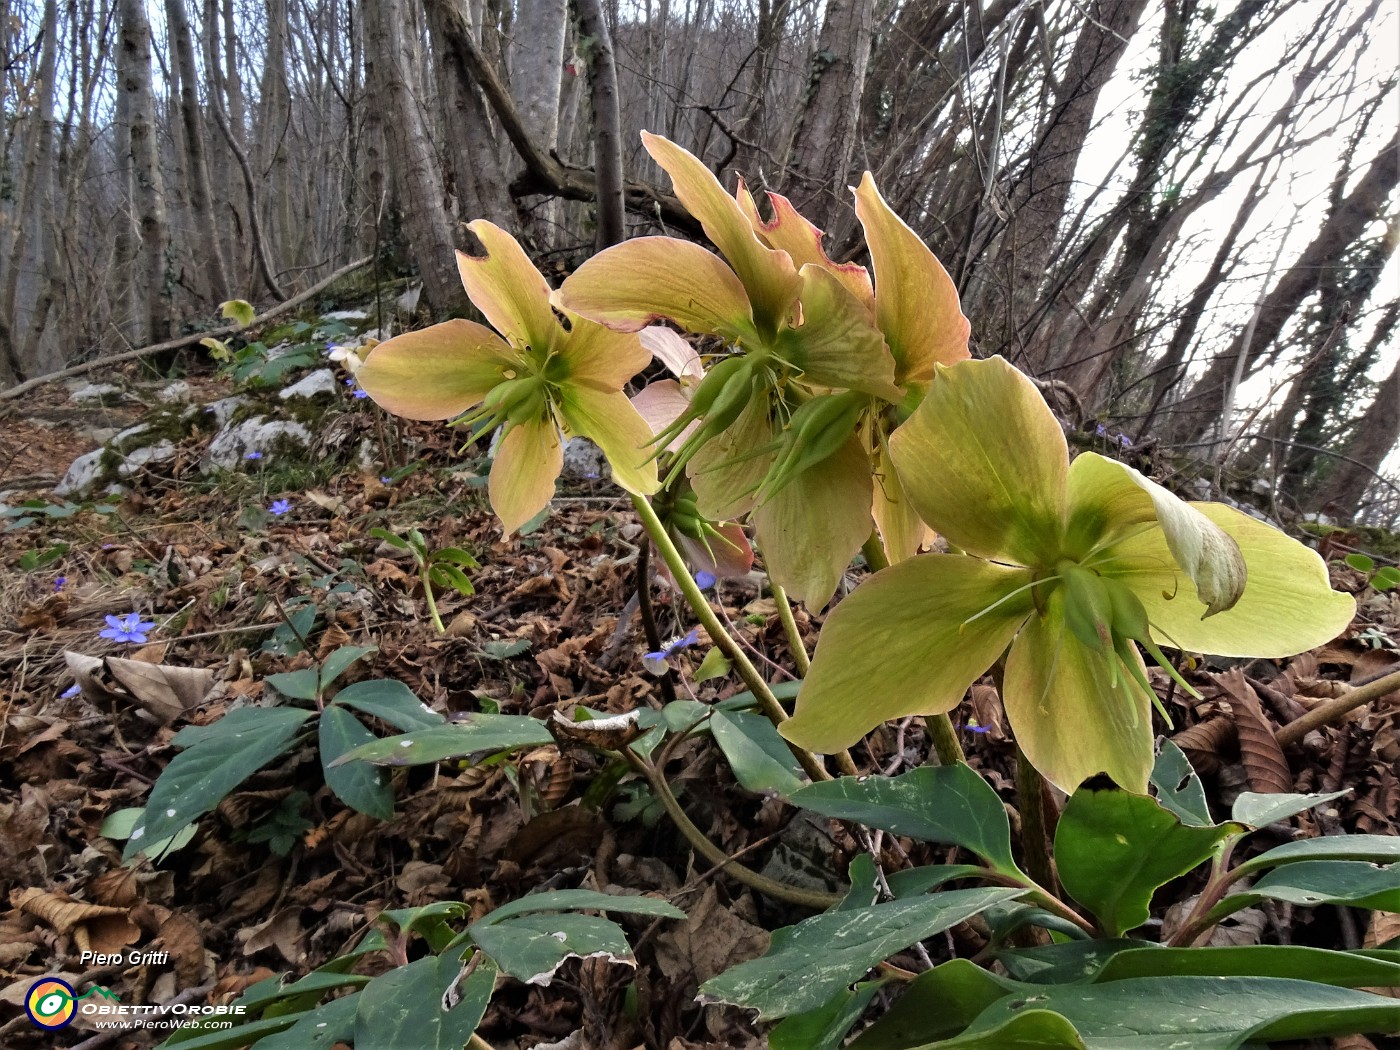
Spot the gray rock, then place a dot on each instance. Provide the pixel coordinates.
(83, 473)
(321, 383)
(229, 448)
(96, 392)
(346, 315)
(174, 393)
(223, 409)
(583, 459)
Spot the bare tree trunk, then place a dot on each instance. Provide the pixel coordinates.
(427, 222)
(1199, 410)
(196, 164)
(1375, 436)
(149, 195)
(820, 160)
(270, 160)
(607, 130)
(536, 58)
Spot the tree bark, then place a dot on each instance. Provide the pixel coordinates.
(607, 126)
(1341, 494)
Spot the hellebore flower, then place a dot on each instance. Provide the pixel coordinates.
(128, 628)
(1070, 567)
(656, 662)
(533, 379)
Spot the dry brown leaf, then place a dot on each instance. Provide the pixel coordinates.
(1205, 743)
(1352, 1042)
(164, 691)
(118, 888)
(181, 936)
(59, 910)
(711, 939)
(332, 638)
(283, 931)
(1261, 754)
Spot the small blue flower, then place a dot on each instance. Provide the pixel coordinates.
(656, 662)
(280, 506)
(1125, 441)
(72, 691)
(253, 455)
(58, 583)
(704, 579)
(360, 395)
(350, 381)
(973, 727)
(386, 480)
(126, 628)
(1101, 430)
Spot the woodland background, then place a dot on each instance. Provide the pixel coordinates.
(1182, 215)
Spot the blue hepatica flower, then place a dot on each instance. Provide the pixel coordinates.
(72, 691)
(360, 395)
(656, 662)
(253, 455)
(704, 580)
(128, 628)
(280, 506)
(58, 583)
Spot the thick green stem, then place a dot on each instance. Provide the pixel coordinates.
(1030, 794)
(767, 702)
(716, 856)
(874, 552)
(432, 604)
(944, 739)
(794, 636)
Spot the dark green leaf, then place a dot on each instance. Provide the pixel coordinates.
(471, 735)
(359, 785)
(322, 1027)
(824, 1028)
(404, 1007)
(1360, 562)
(411, 919)
(391, 539)
(1312, 882)
(938, 1004)
(761, 760)
(812, 961)
(949, 804)
(1330, 847)
(295, 685)
(1114, 849)
(335, 663)
(1031, 1030)
(1256, 810)
(912, 881)
(531, 947)
(578, 900)
(391, 701)
(197, 779)
(202, 1035)
(1179, 789)
(1201, 1013)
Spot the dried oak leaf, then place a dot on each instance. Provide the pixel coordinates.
(1263, 758)
(93, 927)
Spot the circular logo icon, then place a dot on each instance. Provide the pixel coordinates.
(51, 1003)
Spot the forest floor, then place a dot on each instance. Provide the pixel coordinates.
(227, 581)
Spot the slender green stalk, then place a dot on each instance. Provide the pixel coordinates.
(767, 702)
(944, 739)
(794, 636)
(432, 604)
(1030, 795)
(716, 856)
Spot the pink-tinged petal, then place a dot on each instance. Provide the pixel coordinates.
(905, 643)
(611, 423)
(528, 461)
(1072, 714)
(505, 286)
(727, 556)
(679, 357)
(646, 279)
(916, 302)
(902, 533)
(790, 231)
(661, 404)
(438, 372)
(836, 344)
(811, 529)
(769, 276)
(983, 461)
(1287, 607)
(724, 473)
(600, 357)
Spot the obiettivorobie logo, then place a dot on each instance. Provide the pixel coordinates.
(52, 1003)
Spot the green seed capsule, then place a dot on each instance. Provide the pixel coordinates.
(817, 431)
(1088, 607)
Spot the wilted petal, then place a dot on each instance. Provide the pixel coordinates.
(1288, 605)
(661, 403)
(1107, 498)
(901, 531)
(646, 279)
(505, 286)
(916, 302)
(983, 461)
(724, 473)
(528, 461)
(790, 231)
(837, 345)
(438, 372)
(611, 423)
(679, 357)
(768, 275)
(897, 645)
(727, 556)
(810, 530)
(601, 357)
(1067, 717)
